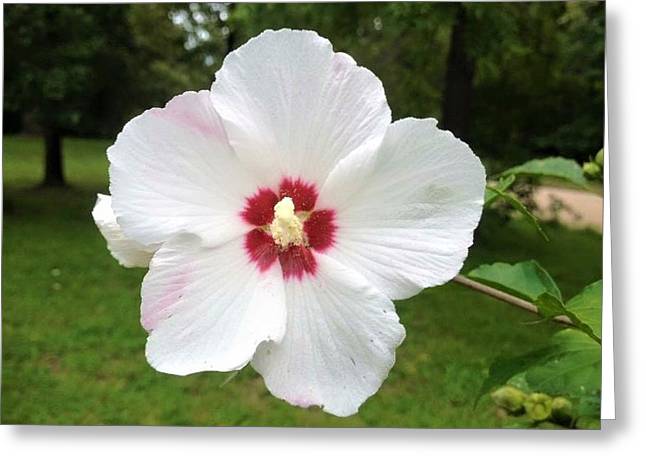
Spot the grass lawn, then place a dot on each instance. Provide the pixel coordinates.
(73, 348)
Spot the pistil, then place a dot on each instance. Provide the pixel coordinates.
(286, 228)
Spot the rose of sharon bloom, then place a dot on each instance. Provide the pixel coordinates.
(285, 210)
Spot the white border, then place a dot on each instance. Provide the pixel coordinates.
(620, 441)
(607, 339)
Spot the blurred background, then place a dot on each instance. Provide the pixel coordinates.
(515, 80)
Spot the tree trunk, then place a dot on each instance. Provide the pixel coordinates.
(458, 82)
(231, 38)
(53, 158)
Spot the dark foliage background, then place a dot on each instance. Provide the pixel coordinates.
(516, 80)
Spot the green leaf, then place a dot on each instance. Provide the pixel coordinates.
(583, 310)
(526, 279)
(554, 167)
(570, 365)
(550, 307)
(504, 368)
(587, 306)
(519, 206)
(503, 184)
(572, 368)
(589, 405)
(490, 196)
(531, 282)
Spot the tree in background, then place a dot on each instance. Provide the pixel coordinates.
(458, 81)
(48, 55)
(539, 83)
(80, 69)
(517, 80)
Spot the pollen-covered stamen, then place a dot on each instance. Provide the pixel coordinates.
(286, 228)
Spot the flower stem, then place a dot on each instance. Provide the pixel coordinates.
(505, 297)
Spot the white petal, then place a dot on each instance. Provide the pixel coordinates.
(339, 344)
(293, 107)
(406, 213)
(127, 252)
(207, 309)
(172, 170)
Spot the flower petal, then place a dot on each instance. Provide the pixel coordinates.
(291, 106)
(407, 210)
(172, 170)
(127, 252)
(339, 344)
(208, 308)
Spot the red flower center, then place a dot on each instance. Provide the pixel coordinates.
(318, 227)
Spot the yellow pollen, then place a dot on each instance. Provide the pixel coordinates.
(286, 228)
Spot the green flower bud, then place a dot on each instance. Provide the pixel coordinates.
(598, 159)
(538, 406)
(562, 410)
(509, 398)
(591, 170)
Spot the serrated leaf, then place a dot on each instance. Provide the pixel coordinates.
(554, 167)
(531, 282)
(504, 368)
(512, 200)
(587, 306)
(569, 366)
(572, 369)
(526, 279)
(549, 306)
(583, 310)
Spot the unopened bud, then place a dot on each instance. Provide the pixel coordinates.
(562, 410)
(598, 159)
(591, 170)
(538, 406)
(509, 398)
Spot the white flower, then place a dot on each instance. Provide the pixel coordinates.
(128, 252)
(286, 210)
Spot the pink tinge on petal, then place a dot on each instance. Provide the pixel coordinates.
(261, 249)
(153, 312)
(181, 111)
(296, 261)
(320, 229)
(301, 401)
(303, 194)
(259, 209)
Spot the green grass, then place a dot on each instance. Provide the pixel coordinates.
(73, 349)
